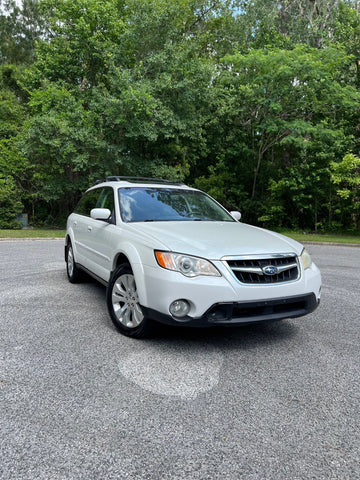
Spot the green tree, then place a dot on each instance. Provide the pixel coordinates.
(117, 89)
(66, 149)
(287, 102)
(277, 22)
(345, 175)
(14, 167)
(250, 100)
(287, 96)
(20, 27)
(10, 206)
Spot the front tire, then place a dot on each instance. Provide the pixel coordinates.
(123, 304)
(74, 274)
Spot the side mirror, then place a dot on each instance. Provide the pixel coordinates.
(236, 215)
(100, 214)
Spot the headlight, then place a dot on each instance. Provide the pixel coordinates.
(185, 264)
(306, 259)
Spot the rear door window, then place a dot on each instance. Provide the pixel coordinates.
(88, 202)
(98, 198)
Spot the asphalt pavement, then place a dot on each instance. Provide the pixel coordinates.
(80, 401)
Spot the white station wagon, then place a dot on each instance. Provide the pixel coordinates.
(172, 254)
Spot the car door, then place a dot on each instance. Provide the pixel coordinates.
(99, 236)
(80, 224)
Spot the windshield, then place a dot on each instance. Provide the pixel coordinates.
(142, 204)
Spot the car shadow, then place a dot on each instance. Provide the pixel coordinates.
(248, 336)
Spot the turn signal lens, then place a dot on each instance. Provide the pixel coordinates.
(165, 260)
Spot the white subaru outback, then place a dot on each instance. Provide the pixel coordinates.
(172, 254)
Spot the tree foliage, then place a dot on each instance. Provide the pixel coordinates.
(20, 27)
(345, 175)
(254, 101)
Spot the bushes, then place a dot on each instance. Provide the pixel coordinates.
(10, 206)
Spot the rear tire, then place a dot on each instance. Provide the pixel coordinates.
(123, 304)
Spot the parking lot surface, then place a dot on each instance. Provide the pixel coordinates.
(79, 401)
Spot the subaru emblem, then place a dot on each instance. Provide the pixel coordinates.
(270, 270)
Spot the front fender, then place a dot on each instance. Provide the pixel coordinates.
(129, 253)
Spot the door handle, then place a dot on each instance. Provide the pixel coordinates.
(75, 224)
(89, 229)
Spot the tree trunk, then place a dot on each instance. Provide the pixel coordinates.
(256, 172)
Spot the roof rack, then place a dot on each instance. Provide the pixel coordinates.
(138, 180)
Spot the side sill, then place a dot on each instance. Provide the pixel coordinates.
(93, 275)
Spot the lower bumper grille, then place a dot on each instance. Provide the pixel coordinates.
(289, 307)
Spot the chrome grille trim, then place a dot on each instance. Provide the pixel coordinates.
(259, 271)
(260, 256)
(249, 269)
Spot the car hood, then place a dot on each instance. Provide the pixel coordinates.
(215, 240)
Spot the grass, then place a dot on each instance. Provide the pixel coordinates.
(322, 237)
(32, 233)
(299, 236)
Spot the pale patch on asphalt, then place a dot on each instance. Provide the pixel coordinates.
(54, 266)
(25, 293)
(185, 369)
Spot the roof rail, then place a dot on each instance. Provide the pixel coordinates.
(116, 178)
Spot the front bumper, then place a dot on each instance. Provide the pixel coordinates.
(225, 299)
(237, 313)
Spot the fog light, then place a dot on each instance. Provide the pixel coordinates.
(179, 308)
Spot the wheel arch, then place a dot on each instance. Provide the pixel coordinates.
(120, 259)
(128, 255)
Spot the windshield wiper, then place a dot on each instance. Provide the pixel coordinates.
(184, 219)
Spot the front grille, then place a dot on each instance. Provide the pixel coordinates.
(265, 270)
